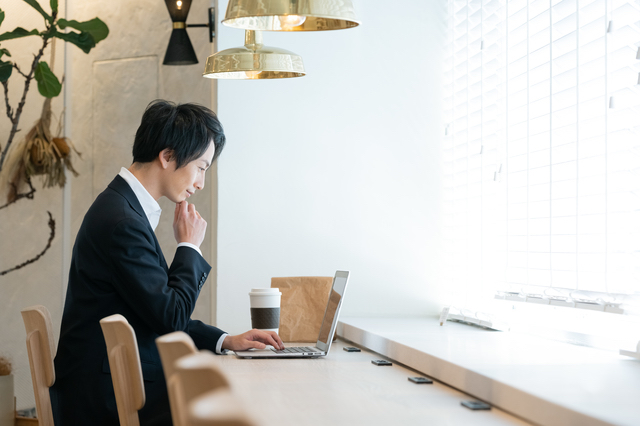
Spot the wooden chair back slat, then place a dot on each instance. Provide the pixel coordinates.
(126, 371)
(41, 350)
(171, 347)
(218, 408)
(196, 375)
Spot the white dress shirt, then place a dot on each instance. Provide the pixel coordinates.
(153, 211)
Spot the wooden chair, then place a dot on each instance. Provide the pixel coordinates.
(218, 408)
(195, 375)
(126, 372)
(41, 350)
(173, 346)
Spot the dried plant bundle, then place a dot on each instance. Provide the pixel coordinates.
(46, 155)
(5, 366)
(40, 154)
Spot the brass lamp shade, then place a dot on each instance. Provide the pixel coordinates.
(254, 61)
(290, 15)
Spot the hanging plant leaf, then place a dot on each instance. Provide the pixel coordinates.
(54, 5)
(5, 70)
(1, 16)
(4, 52)
(48, 84)
(36, 6)
(98, 29)
(83, 40)
(17, 33)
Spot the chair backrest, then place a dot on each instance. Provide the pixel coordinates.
(126, 372)
(41, 349)
(195, 374)
(218, 408)
(173, 346)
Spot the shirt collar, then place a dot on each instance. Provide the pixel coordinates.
(149, 204)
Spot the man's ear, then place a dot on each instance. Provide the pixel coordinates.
(165, 157)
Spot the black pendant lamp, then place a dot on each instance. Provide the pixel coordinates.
(180, 50)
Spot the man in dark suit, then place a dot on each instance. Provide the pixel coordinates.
(118, 267)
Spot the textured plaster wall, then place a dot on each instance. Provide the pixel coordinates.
(105, 95)
(23, 225)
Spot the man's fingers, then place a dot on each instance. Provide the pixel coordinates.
(277, 339)
(256, 344)
(273, 341)
(271, 338)
(181, 208)
(176, 212)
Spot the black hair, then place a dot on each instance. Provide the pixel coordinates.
(186, 129)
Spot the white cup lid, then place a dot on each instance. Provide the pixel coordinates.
(265, 291)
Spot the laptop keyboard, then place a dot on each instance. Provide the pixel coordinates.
(295, 349)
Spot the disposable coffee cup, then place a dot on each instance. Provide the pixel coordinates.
(265, 308)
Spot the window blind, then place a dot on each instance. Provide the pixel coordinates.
(542, 152)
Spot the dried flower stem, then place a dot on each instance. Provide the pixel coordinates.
(18, 195)
(52, 234)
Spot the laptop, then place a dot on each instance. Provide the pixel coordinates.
(327, 330)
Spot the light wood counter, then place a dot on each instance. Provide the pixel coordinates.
(546, 382)
(345, 388)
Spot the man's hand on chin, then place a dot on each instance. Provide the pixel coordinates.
(188, 225)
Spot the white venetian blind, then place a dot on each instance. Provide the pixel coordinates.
(542, 149)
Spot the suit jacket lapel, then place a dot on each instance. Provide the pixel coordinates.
(121, 186)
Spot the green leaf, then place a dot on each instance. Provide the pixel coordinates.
(36, 6)
(48, 84)
(83, 40)
(54, 5)
(98, 29)
(5, 70)
(17, 33)
(1, 16)
(4, 52)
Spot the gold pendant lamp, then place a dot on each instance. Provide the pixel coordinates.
(253, 61)
(290, 15)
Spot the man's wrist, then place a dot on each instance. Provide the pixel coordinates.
(225, 342)
(220, 349)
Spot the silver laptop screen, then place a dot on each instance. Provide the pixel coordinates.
(333, 308)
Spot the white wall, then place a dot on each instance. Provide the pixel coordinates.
(339, 169)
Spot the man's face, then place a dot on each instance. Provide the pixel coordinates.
(181, 183)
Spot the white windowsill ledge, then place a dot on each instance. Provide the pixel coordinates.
(542, 381)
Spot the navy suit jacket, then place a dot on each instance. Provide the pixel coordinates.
(118, 268)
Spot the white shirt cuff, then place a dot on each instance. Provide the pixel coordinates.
(219, 349)
(193, 246)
